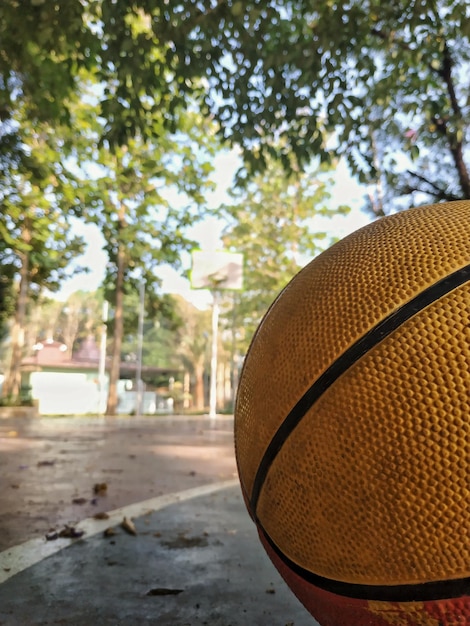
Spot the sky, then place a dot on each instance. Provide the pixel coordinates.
(207, 233)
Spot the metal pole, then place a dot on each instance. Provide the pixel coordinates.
(102, 362)
(140, 338)
(213, 386)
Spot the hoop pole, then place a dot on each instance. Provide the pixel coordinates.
(213, 383)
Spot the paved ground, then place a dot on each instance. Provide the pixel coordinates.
(195, 558)
(50, 466)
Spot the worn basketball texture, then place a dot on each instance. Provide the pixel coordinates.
(352, 425)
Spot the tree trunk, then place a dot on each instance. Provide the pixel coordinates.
(199, 387)
(12, 384)
(456, 145)
(111, 408)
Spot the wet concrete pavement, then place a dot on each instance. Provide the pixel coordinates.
(195, 558)
(50, 466)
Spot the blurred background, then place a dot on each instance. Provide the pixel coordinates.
(133, 133)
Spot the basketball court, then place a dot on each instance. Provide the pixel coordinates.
(194, 559)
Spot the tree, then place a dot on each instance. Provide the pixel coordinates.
(277, 223)
(38, 197)
(142, 225)
(383, 85)
(114, 91)
(161, 327)
(69, 322)
(80, 317)
(44, 45)
(47, 45)
(42, 320)
(7, 295)
(194, 347)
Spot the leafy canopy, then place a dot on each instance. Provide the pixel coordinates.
(278, 224)
(382, 83)
(385, 84)
(38, 197)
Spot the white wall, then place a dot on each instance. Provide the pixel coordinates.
(66, 393)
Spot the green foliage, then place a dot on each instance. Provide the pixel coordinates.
(47, 45)
(383, 85)
(145, 195)
(7, 300)
(43, 45)
(388, 80)
(38, 196)
(162, 324)
(194, 336)
(22, 399)
(275, 224)
(114, 93)
(81, 317)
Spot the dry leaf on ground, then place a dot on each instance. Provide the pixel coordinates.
(128, 525)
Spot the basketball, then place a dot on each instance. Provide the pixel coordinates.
(352, 425)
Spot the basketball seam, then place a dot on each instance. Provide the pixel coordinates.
(348, 358)
(412, 592)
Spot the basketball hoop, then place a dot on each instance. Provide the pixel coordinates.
(217, 271)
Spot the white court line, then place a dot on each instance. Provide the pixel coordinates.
(18, 558)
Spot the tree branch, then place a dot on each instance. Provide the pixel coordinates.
(433, 189)
(455, 145)
(445, 73)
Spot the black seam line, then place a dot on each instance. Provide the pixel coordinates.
(417, 592)
(384, 328)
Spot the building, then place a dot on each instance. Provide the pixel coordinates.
(69, 384)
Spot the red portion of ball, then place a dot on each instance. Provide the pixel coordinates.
(330, 609)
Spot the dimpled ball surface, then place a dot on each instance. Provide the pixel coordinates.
(370, 486)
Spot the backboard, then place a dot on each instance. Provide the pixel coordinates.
(216, 270)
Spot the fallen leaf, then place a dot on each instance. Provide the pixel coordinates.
(79, 501)
(162, 591)
(128, 525)
(101, 515)
(100, 488)
(52, 535)
(45, 463)
(70, 532)
(109, 532)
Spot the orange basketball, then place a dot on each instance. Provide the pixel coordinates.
(352, 425)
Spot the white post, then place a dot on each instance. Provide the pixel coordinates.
(213, 387)
(140, 339)
(102, 362)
